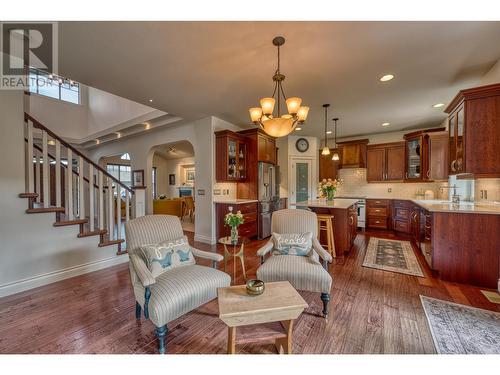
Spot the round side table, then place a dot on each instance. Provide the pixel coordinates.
(237, 248)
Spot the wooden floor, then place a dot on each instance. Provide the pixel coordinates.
(371, 311)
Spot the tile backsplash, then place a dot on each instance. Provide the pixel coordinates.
(491, 186)
(355, 184)
(227, 190)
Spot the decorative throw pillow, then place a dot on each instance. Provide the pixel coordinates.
(166, 255)
(292, 244)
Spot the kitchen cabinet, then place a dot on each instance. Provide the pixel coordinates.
(426, 240)
(352, 153)
(415, 225)
(266, 148)
(231, 157)
(328, 168)
(401, 216)
(249, 211)
(352, 217)
(385, 162)
(378, 213)
(423, 155)
(474, 134)
(438, 158)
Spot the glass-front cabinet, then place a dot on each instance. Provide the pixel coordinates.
(414, 158)
(231, 156)
(456, 141)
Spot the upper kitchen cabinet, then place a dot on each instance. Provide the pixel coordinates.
(231, 156)
(420, 157)
(352, 153)
(266, 148)
(438, 155)
(328, 168)
(474, 132)
(385, 162)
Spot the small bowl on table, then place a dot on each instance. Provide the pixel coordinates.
(255, 287)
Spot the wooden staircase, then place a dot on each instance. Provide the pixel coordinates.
(60, 179)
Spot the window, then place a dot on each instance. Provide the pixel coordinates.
(155, 192)
(53, 86)
(125, 156)
(122, 173)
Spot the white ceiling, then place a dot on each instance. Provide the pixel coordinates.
(197, 69)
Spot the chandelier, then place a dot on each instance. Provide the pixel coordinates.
(281, 125)
(335, 156)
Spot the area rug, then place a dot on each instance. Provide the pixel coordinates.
(393, 256)
(493, 297)
(459, 329)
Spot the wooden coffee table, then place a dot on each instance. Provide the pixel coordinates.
(280, 305)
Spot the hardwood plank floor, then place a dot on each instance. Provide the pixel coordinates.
(371, 311)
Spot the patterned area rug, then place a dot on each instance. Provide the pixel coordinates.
(393, 256)
(459, 329)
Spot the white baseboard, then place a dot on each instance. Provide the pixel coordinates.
(51, 277)
(205, 239)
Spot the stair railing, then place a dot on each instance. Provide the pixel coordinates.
(89, 190)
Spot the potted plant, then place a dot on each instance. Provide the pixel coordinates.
(328, 187)
(234, 220)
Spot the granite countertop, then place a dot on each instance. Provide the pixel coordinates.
(322, 203)
(235, 201)
(432, 205)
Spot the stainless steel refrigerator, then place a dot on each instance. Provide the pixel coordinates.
(268, 195)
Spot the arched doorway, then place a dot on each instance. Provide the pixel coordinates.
(173, 182)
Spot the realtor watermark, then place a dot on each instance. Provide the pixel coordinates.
(26, 45)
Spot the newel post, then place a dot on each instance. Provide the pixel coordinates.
(139, 200)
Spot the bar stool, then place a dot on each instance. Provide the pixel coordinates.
(325, 223)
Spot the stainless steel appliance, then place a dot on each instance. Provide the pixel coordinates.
(268, 195)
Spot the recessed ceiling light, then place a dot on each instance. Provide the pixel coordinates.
(329, 132)
(386, 78)
(297, 129)
(147, 126)
(386, 123)
(151, 100)
(97, 141)
(438, 105)
(118, 135)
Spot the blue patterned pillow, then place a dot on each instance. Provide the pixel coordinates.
(166, 255)
(292, 244)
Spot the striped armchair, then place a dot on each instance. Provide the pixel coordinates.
(303, 272)
(177, 291)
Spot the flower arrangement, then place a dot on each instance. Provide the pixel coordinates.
(328, 187)
(162, 196)
(234, 220)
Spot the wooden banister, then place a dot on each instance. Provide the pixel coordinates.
(39, 125)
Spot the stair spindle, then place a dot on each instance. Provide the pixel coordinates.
(81, 186)
(58, 173)
(29, 159)
(45, 169)
(91, 197)
(110, 209)
(69, 187)
(127, 206)
(37, 176)
(118, 213)
(100, 195)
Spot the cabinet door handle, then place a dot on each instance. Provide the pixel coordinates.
(428, 173)
(453, 168)
(352, 219)
(406, 175)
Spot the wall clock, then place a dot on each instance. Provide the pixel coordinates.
(302, 145)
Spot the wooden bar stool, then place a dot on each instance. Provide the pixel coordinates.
(325, 223)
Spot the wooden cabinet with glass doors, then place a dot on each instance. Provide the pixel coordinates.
(231, 157)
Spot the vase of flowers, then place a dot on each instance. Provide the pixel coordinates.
(328, 187)
(234, 220)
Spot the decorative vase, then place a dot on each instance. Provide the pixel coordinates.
(330, 194)
(234, 234)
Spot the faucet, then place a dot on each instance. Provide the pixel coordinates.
(455, 198)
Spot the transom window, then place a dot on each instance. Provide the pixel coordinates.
(53, 86)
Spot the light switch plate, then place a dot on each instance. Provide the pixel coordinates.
(201, 191)
(216, 191)
(389, 190)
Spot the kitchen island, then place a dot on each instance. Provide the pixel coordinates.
(345, 222)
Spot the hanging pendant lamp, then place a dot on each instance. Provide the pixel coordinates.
(335, 155)
(281, 125)
(326, 150)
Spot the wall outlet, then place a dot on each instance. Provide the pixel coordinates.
(389, 190)
(216, 191)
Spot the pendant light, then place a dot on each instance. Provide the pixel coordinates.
(326, 150)
(281, 125)
(335, 155)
